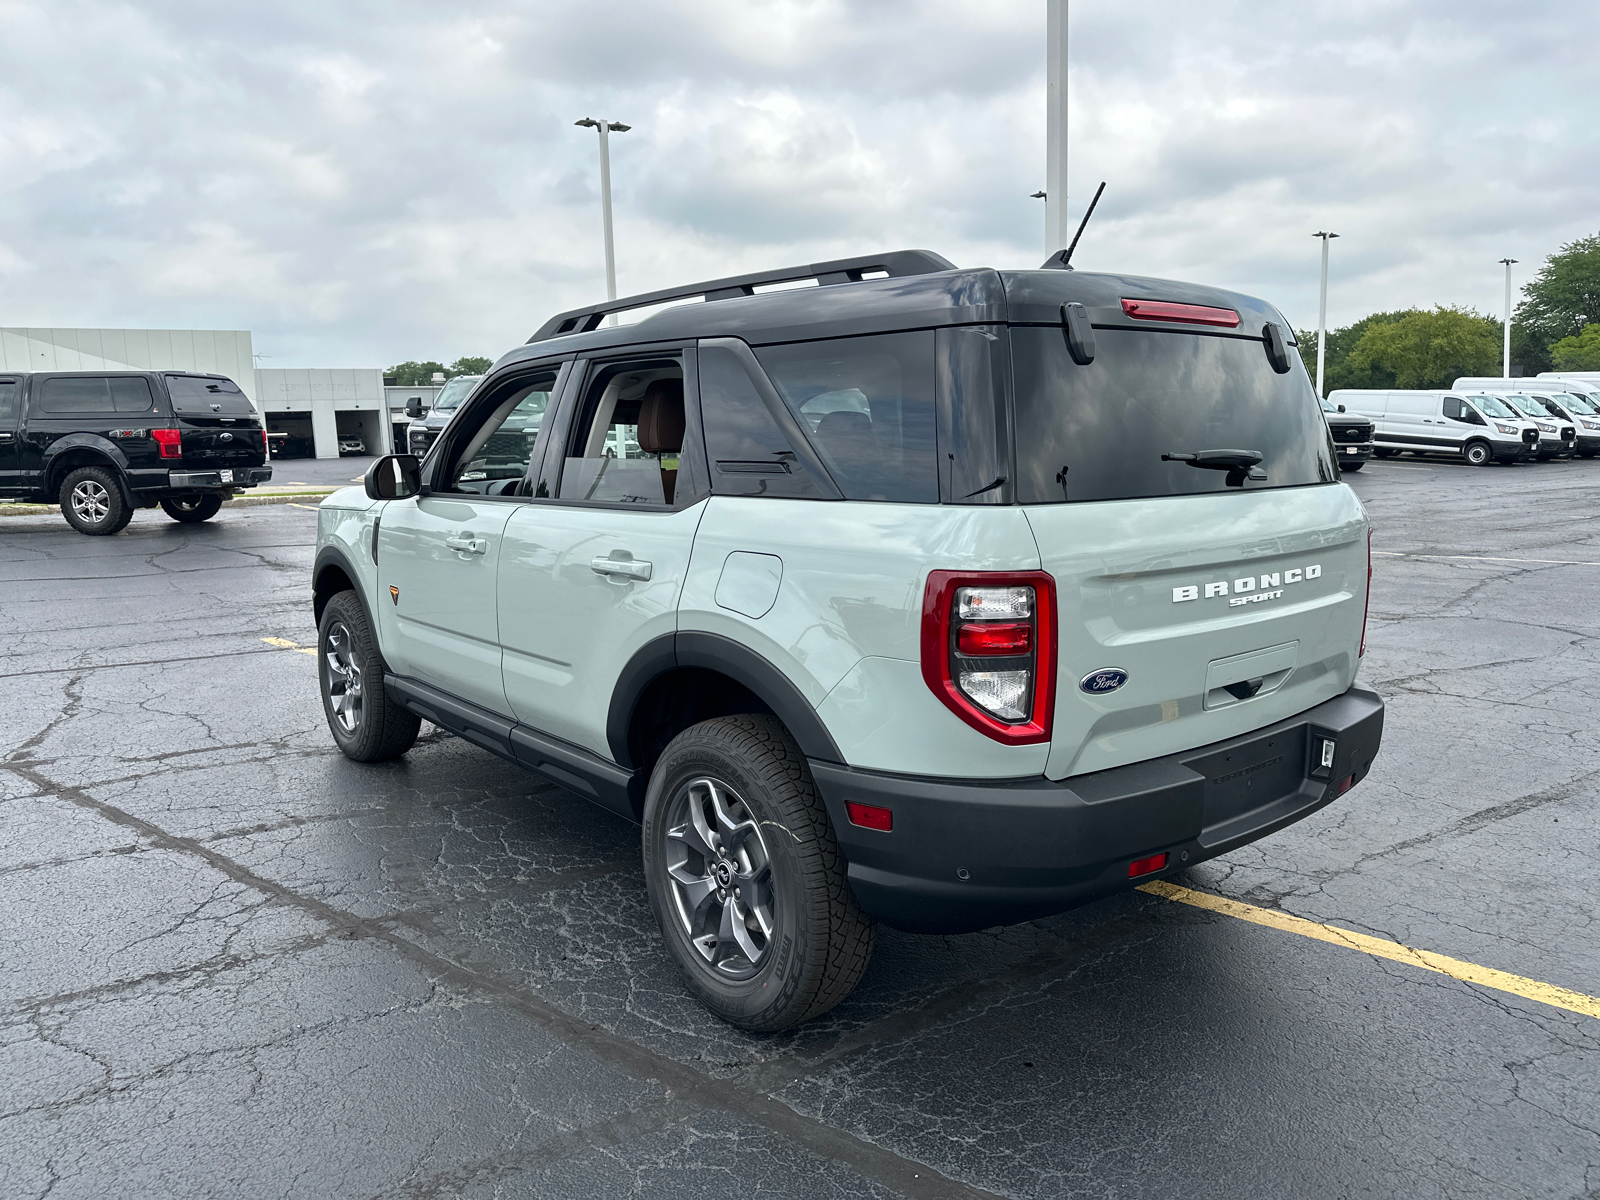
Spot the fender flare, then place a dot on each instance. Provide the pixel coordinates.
(713, 652)
(103, 447)
(332, 556)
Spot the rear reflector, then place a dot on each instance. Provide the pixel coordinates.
(870, 816)
(1145, 866)
(996, 638)
(1343, 786)
(1189, 314)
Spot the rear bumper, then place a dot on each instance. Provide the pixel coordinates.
(965, 854)
(242, 477)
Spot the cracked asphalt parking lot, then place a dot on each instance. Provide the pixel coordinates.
(238, 965)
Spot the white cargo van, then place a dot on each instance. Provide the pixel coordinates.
(1477, 428)
(1557, 436)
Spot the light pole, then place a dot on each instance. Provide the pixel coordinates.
(1505, 372)
(1055, 131)
(605, 129)
(1322, 308)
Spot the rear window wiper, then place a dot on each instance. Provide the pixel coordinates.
(1239, 464)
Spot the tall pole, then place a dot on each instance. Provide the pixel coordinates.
(1322, 308)
(606, 129)
(1055, 131)
(1505, 364)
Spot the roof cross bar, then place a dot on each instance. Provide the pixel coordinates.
(894, 263)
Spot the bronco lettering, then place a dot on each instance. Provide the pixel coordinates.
(1248, 584)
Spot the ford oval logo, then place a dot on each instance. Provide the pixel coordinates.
(1106, 679)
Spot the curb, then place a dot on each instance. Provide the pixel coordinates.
(46, 510)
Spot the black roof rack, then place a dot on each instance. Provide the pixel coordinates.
(842, 270)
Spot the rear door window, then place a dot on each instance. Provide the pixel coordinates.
(1098, 432)
(868, 405)
(207, 395)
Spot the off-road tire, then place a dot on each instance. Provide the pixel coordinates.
(92, 502)
(1477, 453)
(821, 941)
(190, 509)
(1351, 466)
(381, 729)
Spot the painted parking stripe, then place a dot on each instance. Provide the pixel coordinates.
(1501, 981)
(1544, 562)
(286, 644)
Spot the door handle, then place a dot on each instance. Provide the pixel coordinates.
(467, 544)
(627, 568)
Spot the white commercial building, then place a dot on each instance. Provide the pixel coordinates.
(316, 407)
(205, 351)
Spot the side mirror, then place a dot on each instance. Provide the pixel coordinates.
(414, 407)
(393, 477)
(1341, 408)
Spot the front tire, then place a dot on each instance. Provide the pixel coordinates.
(190, 509)
(366, 722)
(92, 502)
(1477, 453)
(746, 878)
(1351, 466)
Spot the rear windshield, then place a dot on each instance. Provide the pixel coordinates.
(1098, 432)
(207, 394)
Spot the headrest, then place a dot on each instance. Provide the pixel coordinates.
(661, 417)
(845, 423)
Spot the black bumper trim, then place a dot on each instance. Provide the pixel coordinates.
(969, 854)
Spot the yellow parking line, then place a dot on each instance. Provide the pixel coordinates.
(1501, 981)
(286, 644)
(310, 507)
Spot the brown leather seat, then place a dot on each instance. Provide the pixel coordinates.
(661, 424)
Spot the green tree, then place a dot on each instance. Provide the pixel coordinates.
(470, 366)
(1580, 353)
(414, 374)
(1430, 349)
(1336, 370)
(1561, 298)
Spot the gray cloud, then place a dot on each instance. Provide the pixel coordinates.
(360, 183)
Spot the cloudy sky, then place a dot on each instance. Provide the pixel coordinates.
(359, 183)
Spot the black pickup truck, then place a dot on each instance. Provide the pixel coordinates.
(103, 443)
(1352, 434)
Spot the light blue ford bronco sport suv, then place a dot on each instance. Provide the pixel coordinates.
(944, 598)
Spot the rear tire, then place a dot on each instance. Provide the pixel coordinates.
(366, 722)
(1477, 453)
(190, 509)
(92, 502)
(746, 878)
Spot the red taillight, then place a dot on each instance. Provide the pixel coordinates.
(994, 638)
(263, 441)
(1190, 314)
(1146, 866)
(1366, 607)
(170, 441)
(989, 651)
(870, 816)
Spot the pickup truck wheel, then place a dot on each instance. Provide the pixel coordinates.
(190, 509)
(92, 502)
(366, 723)
(1351, 466)
(746, 878)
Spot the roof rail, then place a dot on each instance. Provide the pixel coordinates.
(893, 264)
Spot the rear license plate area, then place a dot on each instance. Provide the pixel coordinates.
(1251, 775)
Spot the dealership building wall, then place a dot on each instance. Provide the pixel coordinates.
(205, 351)
(318, 406)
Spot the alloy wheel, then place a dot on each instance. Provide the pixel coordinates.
(343, 676)
(90, 501)
(721, 877)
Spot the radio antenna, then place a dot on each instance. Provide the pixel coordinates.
(1067, 257)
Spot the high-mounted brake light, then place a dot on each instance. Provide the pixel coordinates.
(170, 441)
(989, 652)
(1189, 314)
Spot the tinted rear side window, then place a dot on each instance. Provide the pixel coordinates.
(750, 456)
(8, 399)
(203, 395)
(1098, 432)
(85, 394)
(868, 404)
(130, 394)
